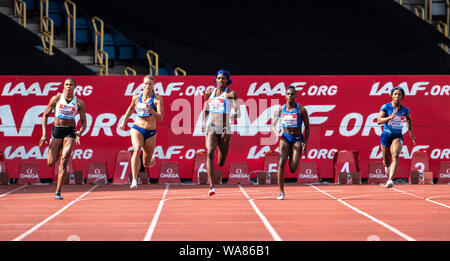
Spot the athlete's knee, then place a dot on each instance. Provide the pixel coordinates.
(395, 156)
(210, 153)
(293, 167)
(282, 162)
(147, 162)
(222, 161)
(137, 150)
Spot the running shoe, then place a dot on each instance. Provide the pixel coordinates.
(389, 184)
(212, 191)
(133, 184)
(281, 196)
(58, 196)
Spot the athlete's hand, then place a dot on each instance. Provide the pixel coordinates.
(394, 113)
(77, 138)
(43, 140)
(203, 127)
(304, 149)
(122, 126)
(276, 132)
(413, 138)
(149, 109)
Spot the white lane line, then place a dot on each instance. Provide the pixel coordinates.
(435, 202)
(151, 228)
(266, 223)
(391, 228)
(419, 197)
(407, 193)
(36, 227)
(4, 194)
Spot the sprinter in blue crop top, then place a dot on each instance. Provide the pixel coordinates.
(393, 115)
(292, 141)
(149, 109)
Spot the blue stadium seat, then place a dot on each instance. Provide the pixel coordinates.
(141, 54)
(30, 5)
(56, 13)
(82, 33)
(109, 46)
(125, 47)
(163, 71)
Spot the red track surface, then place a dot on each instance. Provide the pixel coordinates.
(235, 213)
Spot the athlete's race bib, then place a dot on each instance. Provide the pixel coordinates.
(141, 110)
(289, 120)
(217, 105)
(397, 122)
(66, 112)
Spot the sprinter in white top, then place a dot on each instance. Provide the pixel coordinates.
(64, 133)
(218, 103)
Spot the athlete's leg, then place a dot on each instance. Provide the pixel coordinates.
(147, 154)
(295, 156)
(211, 144)
(223, 145)
(284, 152)
(54, 151)
(387, 158)
(66, 153)
(396, 148)
(137, 140)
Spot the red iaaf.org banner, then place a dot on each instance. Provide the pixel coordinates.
(342, 112)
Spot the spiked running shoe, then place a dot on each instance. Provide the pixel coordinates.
(133, 184)
(389, 184)
(58, 196)
(212, 191)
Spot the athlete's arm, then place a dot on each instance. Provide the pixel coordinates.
(129, 111)
(275, 118)
(159, 107)
(305, 119)
(205, 115)
(234, 99)
(51, 105)
(409, 125)
(82, 111)
(381, 119)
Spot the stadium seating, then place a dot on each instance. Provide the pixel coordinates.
(125, 47)
(82, 30)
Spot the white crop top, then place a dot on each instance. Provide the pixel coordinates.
(219, 104)
(64, 110)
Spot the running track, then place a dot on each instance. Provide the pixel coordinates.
(236, 213)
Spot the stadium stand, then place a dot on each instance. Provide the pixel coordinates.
(259, 37)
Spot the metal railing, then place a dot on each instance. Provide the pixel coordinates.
(420, 9)
(47, 35)
(71, 16)
(20, 10)
(42, 14)
(129, 69)
(443, 28)
(102, 58)
(153, 65)
(98, 43)
(447, 3)
(178, 70)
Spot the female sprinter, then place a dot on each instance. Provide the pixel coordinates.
(218, 102)
(292, 141)
(64, 133)
(392, 115)
(149, 109)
